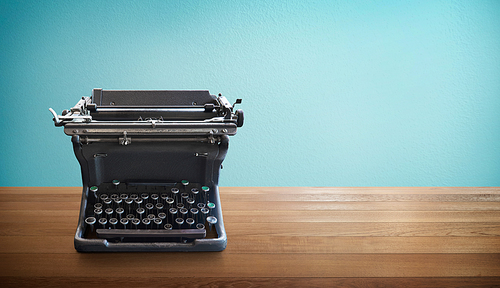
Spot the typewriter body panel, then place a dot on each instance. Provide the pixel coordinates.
(150, 163)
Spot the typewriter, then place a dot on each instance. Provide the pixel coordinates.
(150, 163)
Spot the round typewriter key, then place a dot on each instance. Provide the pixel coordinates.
(170, 201)
(151, 217)
(159, 206)
(190, 221)
(116, 183)
(144, 196)
(107, 201)
(103, 222)
(205, 189)
(154, 197)
(175, 191)
(94, 189)
(97, 211)
(201, 205)
(194, 213)
(172, 212)
(103, 196)
(179, 221)
(146, 222)
(162, 215)
(133, 196)
(168, 226)
(140, 211)
(195, 191)
(120, 211)
(138, 201)
(124, 222)
(130, 217)
(149, 206)
(157, 221)
(124, 196)
(211, 221)
(90, 220)
(204, 211)
(113, 221)
(117, 201)
(164, 196)
(136, 222)
(183, 211)
(108, 211)
(98, 205)
(179, 205)
(200, 226)
(184, 195)
(114, 196)
(190, 201)
(185, 182)
(211, 205)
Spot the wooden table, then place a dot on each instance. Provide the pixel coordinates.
(412, 237)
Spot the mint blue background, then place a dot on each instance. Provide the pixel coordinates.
(335, 93)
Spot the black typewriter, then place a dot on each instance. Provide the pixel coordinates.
(150, 163)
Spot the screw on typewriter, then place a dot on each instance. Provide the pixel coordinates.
(150, 164)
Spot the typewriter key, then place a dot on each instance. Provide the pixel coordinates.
(97, 211)
(130, 217)
(103, 222)
(194, 213)
(200, 226)
(146, 222)
(200, 205)
(154, 197)
(164, 196)
(159, 206)
(108, 211)
(140, 211)
(133, 196)
(190, 221)
(211, 206)
(124, 222)
(175, 191)
(124, 196)
(104, 197)
(205, 189)
(114, 196)
(190, 201)
(98, 205)
(172, 212)
(204, 213)
(136, 222)
(116, 183)
(162, 215)
(179, 221)
(94, 189)
(179, 205)
(167, 226)
(113, 221)
(149, 207)
(185, 183)
(211, 221)
(170, 201)
(183, 211)
(145, 196)
(195, 191)
(120, 211)
(151, 217)
(90, 221)
(138, 201)
(107, 201)
(158, 222)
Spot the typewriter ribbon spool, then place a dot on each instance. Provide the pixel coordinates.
(150, 163)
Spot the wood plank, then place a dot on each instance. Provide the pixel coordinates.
(287, 244)
(209, 264)
(333, 229)
(194, 281)
(284, 190)
(55, 215)
(271, 197)
(288, 206)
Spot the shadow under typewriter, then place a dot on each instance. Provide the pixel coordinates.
(150, 163)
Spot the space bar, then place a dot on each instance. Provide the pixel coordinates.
(150, 233)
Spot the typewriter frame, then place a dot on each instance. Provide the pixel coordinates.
(109, 144)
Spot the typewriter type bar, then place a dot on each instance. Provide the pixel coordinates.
(150, 163)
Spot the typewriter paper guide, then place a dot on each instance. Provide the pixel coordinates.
(150, 162)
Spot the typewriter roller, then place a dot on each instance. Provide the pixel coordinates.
(150, 163)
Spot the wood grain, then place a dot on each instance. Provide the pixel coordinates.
(277, 236)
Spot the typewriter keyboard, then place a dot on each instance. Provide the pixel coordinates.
(164, 211)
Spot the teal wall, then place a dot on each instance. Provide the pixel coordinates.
(335, 93)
